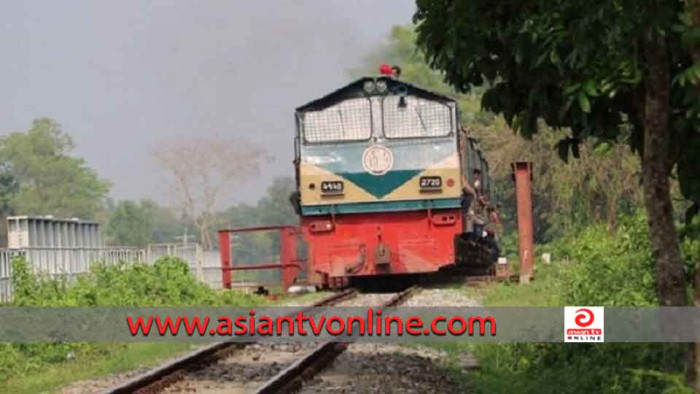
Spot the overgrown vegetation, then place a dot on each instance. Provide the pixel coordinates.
(587, 209)
(590, 268)
(168, 282)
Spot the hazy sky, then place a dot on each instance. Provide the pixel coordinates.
(122, 76)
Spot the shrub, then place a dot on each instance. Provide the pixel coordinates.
(610, 270)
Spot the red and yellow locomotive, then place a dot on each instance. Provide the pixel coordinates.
(389, 183)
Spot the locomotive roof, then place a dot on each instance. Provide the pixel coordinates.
(355, 89)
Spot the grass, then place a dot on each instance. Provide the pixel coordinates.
(53, 377)
(542, 291)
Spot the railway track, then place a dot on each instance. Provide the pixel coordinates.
(234, 367)
(292, 378)
(158, 379)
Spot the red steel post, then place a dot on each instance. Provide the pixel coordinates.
(523, 193)
(225, 255)
(288, 256)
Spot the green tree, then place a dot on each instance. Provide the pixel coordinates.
(239, 215)
(8, 190)
(275, 208)
(167, 224)
(130, 224)
(622, 67)
(50, 180)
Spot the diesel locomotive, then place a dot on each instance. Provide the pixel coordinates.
(390, 183)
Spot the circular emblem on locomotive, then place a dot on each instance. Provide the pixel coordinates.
(377, 160)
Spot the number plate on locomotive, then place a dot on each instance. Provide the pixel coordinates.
(430, 182)
(332, 187)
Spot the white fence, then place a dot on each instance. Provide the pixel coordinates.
(70, 262)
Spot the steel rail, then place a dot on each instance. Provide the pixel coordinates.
(491, 278)
(292, 378)
(163, 376)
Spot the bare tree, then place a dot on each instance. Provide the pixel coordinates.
(203, 169)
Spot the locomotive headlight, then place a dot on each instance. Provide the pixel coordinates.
(369, 87)
(382, 87)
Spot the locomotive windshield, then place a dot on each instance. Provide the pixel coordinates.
(349, 120)
(415, 117)
(380, 108)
